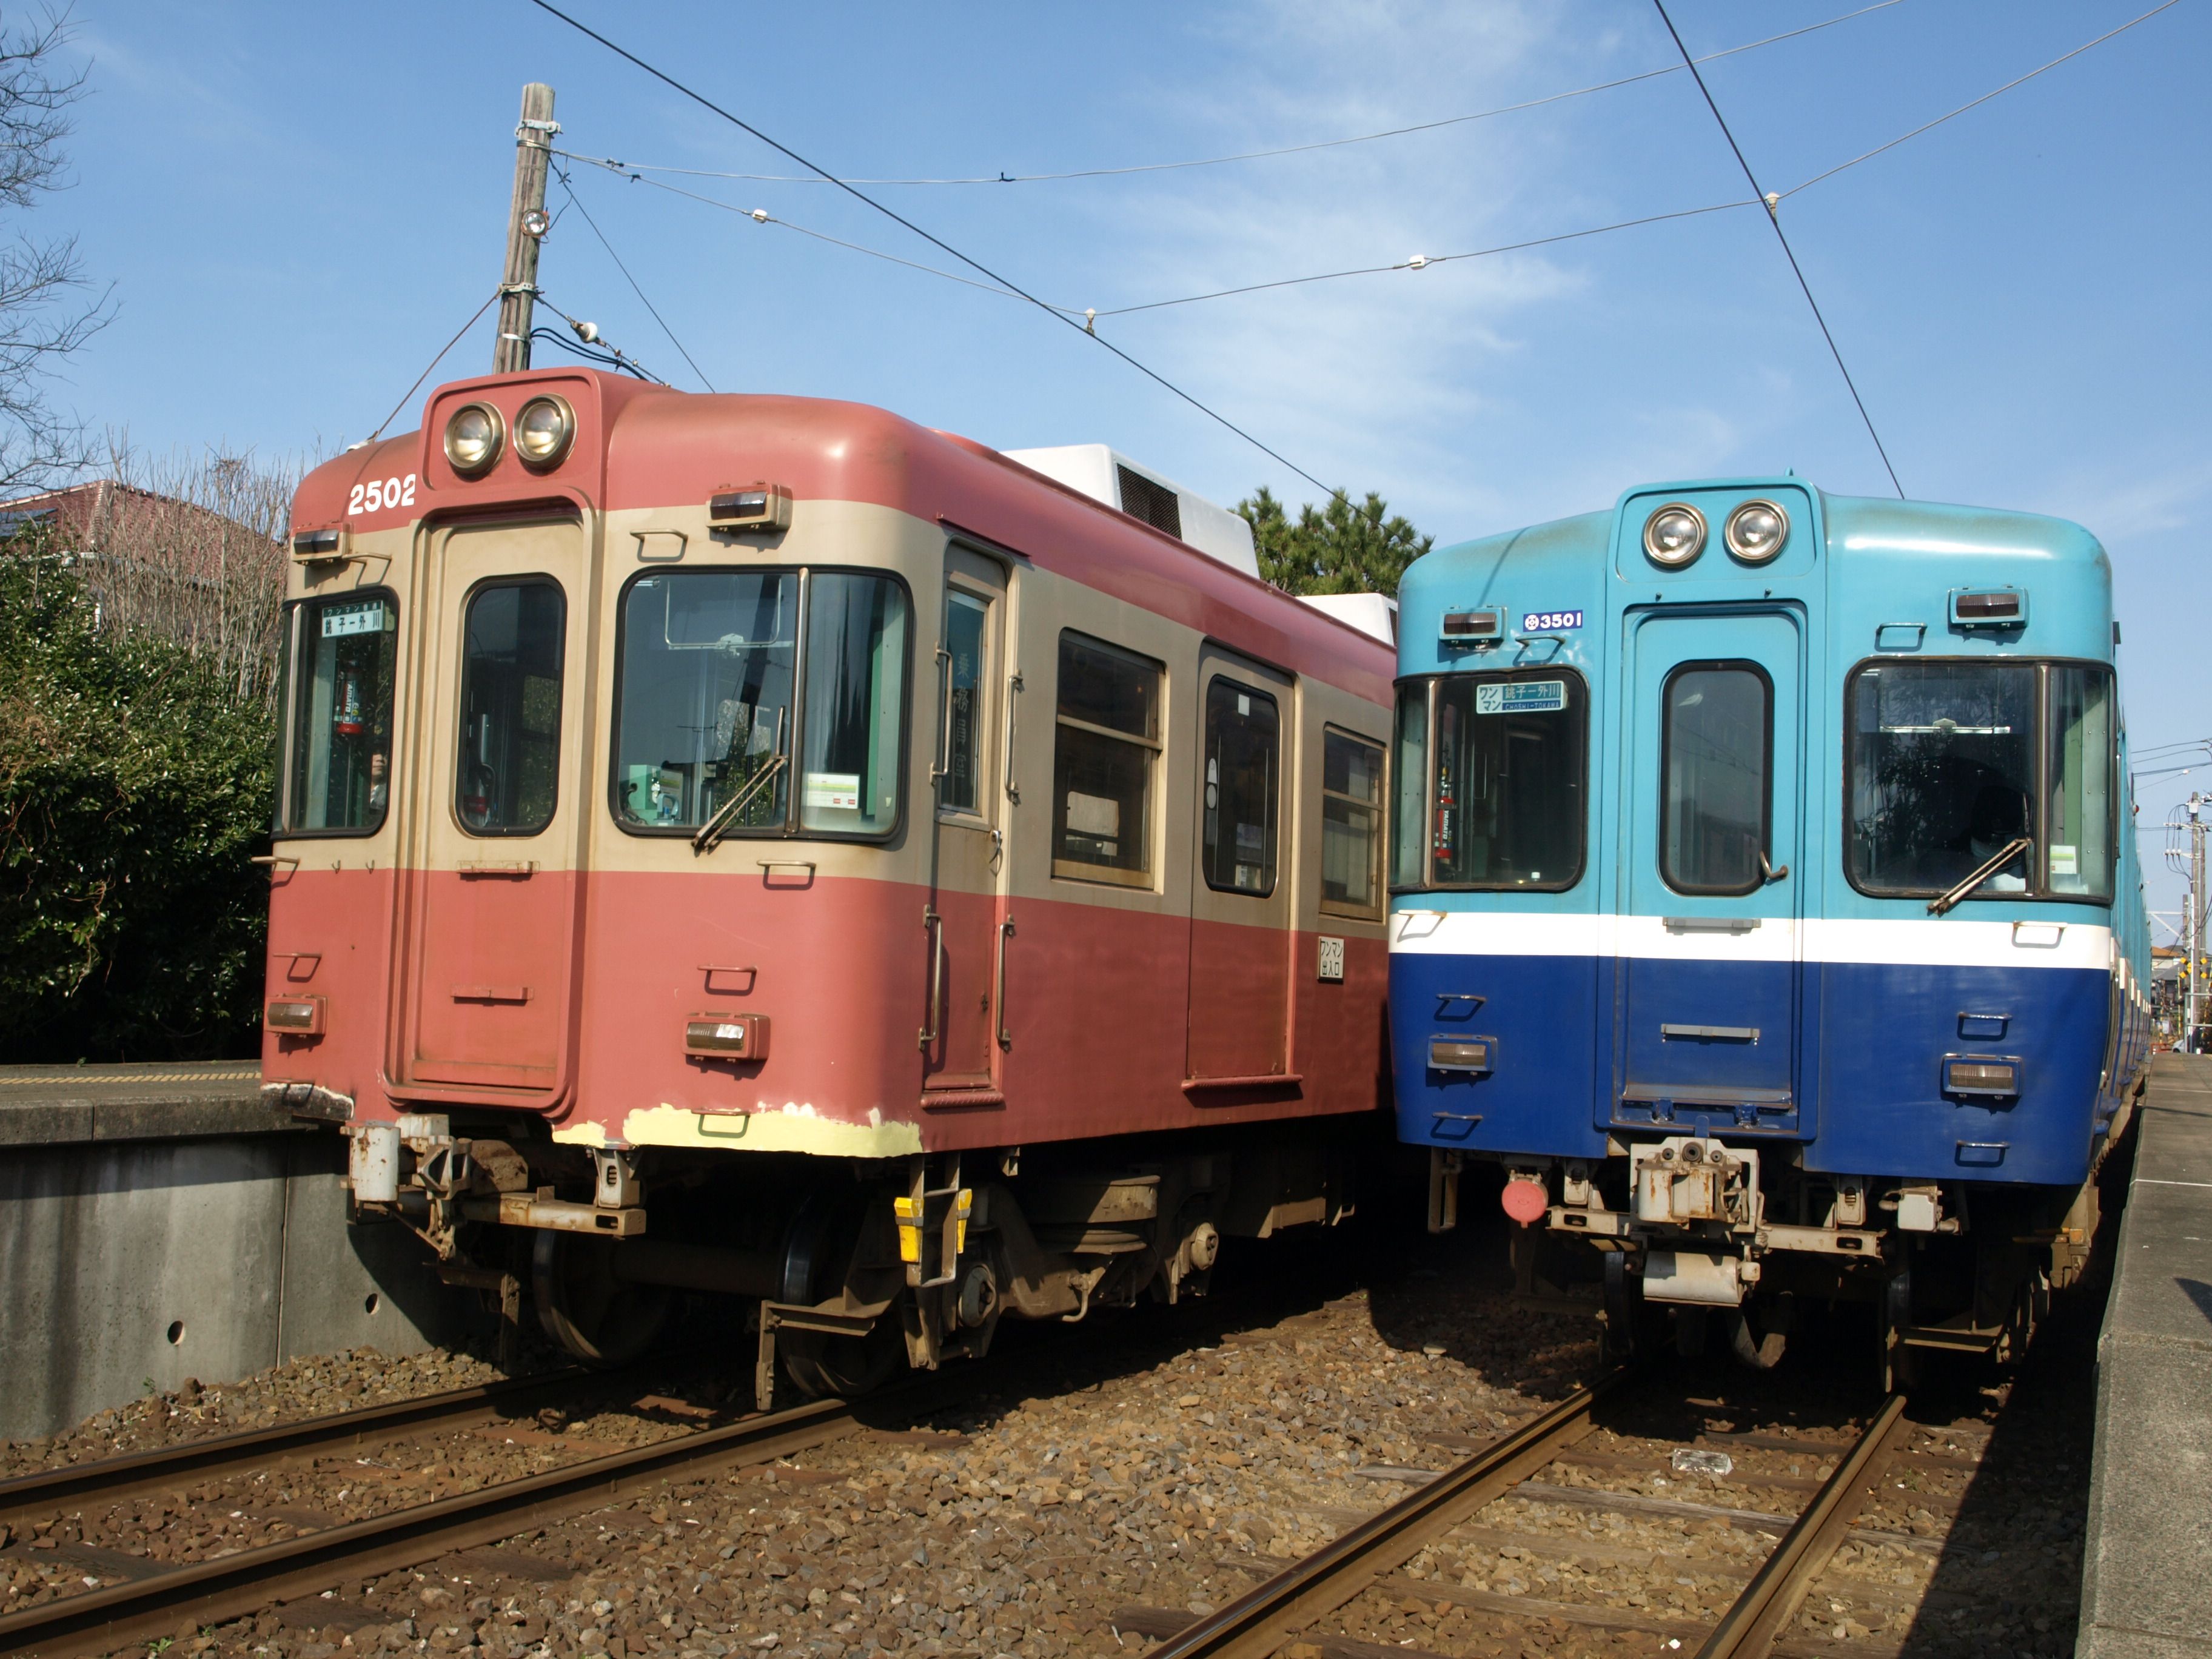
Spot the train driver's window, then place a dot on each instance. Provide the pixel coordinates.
(1104, 752)
(1350, 823)
(1510, 768)
(1716, 749)
(341, 715)
(1243, 744)
(2079, 854)
(507, 774)
(854, 754)
(1941, 776)
(1410, 825)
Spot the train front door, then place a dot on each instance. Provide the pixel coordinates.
(1240, 897)
(959, 1037)
(1713, 832)
(493, 891)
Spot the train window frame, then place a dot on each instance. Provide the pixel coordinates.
(1708, 665)
(292, 665)
(1271, 829)
(2037, 890)
(793, 826)
(477, 590)
(1426, 881)
(1146, 878)
(1379, 809)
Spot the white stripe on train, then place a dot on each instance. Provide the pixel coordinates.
(1946, 942)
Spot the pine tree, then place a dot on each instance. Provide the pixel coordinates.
(1337, 548)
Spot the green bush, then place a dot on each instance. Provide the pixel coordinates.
(134, 790)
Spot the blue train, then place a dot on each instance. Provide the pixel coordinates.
(1765, 900)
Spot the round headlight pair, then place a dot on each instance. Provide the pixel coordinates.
(475, 434)
(1675, 533)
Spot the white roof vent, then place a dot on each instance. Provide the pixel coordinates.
(1375, 614)
(1105, 476)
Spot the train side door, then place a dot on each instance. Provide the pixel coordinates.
(958, 1043)
(1240, 904)
(1709, 948)
(494, 886)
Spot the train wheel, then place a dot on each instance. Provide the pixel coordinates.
(602, 1321)
(817, 1248)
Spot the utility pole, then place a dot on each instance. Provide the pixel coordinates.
(2193, 926)
(526, 223)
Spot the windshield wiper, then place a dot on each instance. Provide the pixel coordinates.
(715, 828)
(2011, 850)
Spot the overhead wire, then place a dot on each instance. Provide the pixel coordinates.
(974, 265)
(1254, 154)
(1775, 219)
(561, 174)
(434, 362)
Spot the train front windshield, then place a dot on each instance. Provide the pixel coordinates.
(1492, 772)
(1952, 762)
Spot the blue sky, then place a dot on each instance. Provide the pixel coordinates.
(297, 205)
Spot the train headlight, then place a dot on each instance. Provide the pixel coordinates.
(473, 434)
(543, 431)
(1674, 535)
(1756, 531)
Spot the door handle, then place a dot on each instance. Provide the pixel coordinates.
(998, 989)
(933, 925)
(1772, 872)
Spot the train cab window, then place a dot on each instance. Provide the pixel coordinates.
(1509, 806)
(709, 659)
(1350, 823)
(1716, 744)
(855, 703)
(1243, 741)
(508, 777)
(1411, 806)
(2078, 821)
(1942, 775)
(1104, 752)
(341, 715)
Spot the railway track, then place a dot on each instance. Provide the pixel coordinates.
(1298, 1609)
(146, 1608)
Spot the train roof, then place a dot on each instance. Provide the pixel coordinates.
(642, 446)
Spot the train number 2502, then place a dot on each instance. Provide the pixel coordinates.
(380, 493)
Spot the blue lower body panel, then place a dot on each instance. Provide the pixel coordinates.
(1847, 1060)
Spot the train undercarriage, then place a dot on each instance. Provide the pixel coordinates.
(848, 1270)
(1697, 1242)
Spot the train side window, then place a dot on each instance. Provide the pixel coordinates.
(1105, 750)
(1350, 823)
(1942, 775)
(960, 790)
(1509, 774)
(1244, 740)
(1717, 748)
(341, 713)
(2078, 822)
(507, 775)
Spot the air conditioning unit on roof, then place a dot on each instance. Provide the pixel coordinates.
(1105, 475)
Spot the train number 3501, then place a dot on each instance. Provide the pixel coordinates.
(380, 493)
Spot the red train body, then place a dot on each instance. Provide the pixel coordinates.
(740, 795)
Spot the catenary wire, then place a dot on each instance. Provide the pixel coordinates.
(1254, 154)
(591, 344)
(569, 191)
(937, 242)
(434, 362)
(1818, 177)
(1774, 219)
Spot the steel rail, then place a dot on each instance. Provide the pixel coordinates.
(113, 1478)
(1264, 1617)
(1748, 1628)
(213, 1591)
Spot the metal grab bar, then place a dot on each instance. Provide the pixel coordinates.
(2011, 850)
(933, 925)
(1013, 694)
(998, 989)
(1772, 872)
(941, 767)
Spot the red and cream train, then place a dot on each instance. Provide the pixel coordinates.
(758, 845)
